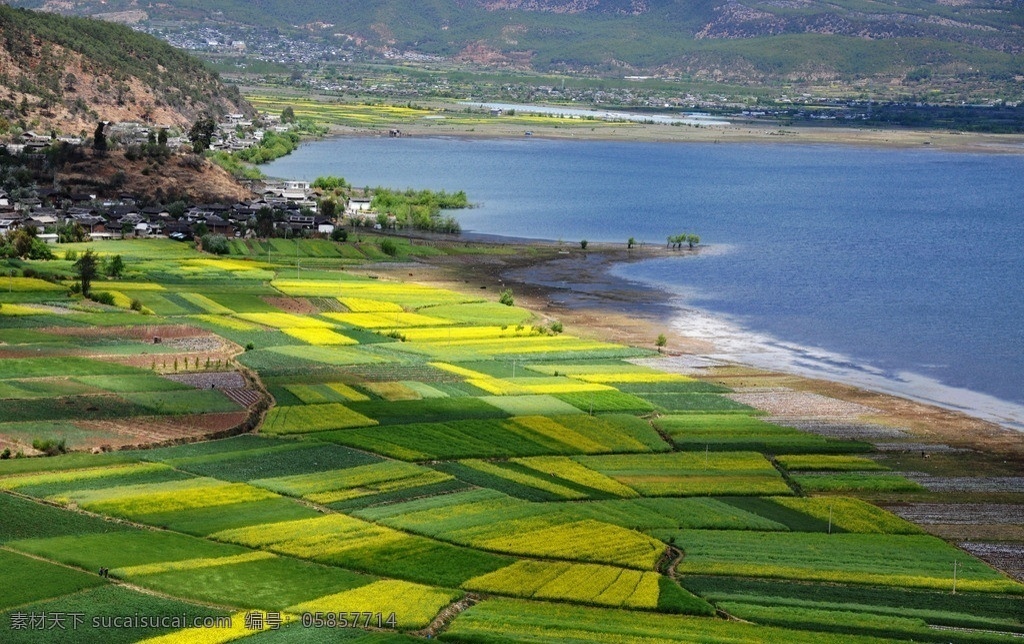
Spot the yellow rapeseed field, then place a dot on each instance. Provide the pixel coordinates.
(190, 564)
(70, 476)
(318, 336)
(414, 605)
(285, 320)
(566, 468)
(362, 305)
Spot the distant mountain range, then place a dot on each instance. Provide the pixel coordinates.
(65, 74)
(744, 41)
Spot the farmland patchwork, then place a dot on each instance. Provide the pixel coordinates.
(426, 463)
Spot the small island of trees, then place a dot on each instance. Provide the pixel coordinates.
(676, 241)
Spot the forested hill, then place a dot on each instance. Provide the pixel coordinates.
(64, 74)
(745, 41)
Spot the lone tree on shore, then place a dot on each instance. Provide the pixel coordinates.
(661, 342)
(507, 298)
(87, 269)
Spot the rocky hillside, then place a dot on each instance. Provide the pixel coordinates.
(64, 74)
(190, 178)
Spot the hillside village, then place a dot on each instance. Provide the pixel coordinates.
(276, 208)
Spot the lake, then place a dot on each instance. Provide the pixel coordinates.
(896, 269)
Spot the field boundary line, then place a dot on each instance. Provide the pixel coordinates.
(443, 620)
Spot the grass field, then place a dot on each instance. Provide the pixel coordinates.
(900, 561)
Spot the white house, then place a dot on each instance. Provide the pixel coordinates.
(359, 204)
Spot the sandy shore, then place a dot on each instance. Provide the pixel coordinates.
(575, 287)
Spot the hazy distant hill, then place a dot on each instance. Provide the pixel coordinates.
(731, 40)
(67, 73)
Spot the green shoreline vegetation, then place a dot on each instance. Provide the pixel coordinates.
(464, 467)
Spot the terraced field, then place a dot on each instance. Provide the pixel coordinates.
(432, 463)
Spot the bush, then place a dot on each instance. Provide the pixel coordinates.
(136, 305)
(102, 297)
(556, 327)
(216, 244)
(49, 446)
(506, 297)
(389, 247)
(339, 235)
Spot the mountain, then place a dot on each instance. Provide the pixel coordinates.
(64, 74)
(741, 41)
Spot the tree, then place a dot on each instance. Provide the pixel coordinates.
(507, 298)
(21, 241)
(99, 139)
(201, 134)
(583, 244)
(630, 243)
(161, 138)
(288, 114)
(264, 222)
(86, 269)
(216, 244)
(177, 209)
(661, 342)
(70, 233)
(115, 267)
(328, 207)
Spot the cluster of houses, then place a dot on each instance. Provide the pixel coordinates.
(293, 203)
(234, 132)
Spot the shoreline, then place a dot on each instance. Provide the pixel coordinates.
(577, 288)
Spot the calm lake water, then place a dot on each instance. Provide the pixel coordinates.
(902, 270)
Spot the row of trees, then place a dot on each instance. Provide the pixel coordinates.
(419, 209)
(676, 241)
